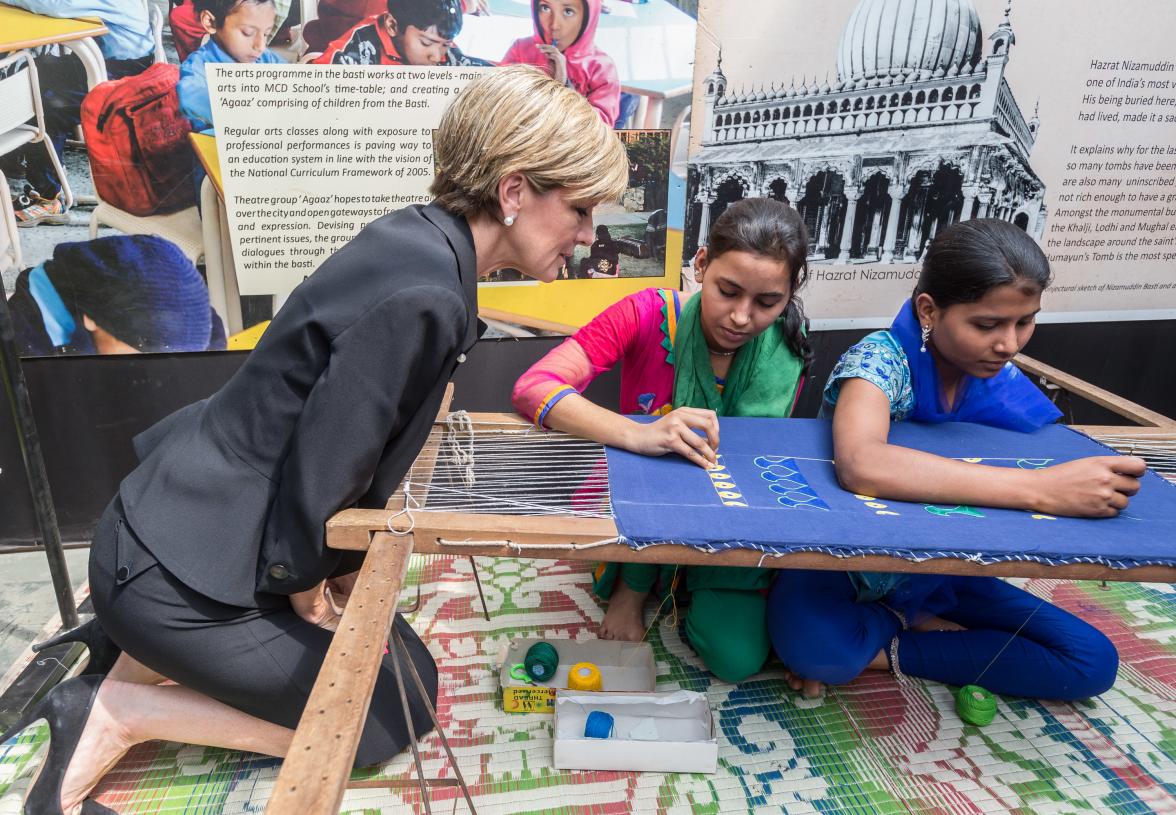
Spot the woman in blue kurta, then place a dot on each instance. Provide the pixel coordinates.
(948, 357)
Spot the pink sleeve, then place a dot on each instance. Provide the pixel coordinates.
(564, 370)
(605, 94)
(514, 54)
(612, 332)
(579, 359)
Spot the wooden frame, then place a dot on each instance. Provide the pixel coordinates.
(315, 773)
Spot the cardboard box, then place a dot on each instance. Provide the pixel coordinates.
(624, 666)
(669, 732)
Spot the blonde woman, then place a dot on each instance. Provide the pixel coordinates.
(209, 567)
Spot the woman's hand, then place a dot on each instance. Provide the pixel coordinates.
(557, 63)
(676, 433)
(341, 588)
(1095, 487)
(314, 605)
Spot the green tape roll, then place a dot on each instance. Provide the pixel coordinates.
(975, 705)
(541, 661)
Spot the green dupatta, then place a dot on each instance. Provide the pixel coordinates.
(762, 381)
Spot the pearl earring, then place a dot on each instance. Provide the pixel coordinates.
(926, 335)
(508, 220)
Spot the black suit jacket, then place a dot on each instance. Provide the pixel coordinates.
(329, 411)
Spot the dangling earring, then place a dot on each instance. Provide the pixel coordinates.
(926, 334)
(508, 220)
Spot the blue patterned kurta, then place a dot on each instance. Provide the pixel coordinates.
(877, 358)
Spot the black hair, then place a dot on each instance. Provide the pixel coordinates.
(970, 258)
(765, 226)
(445, 14)
(221, 9)
(584, 12)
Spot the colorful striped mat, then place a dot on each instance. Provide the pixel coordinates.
(874, 746)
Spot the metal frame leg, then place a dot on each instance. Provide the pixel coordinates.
(397, 646)
(481, 596)
(12, 382)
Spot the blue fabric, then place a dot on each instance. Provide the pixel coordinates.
(140, 288)
(1006, 400)
(192, 89)
(629, 103)
(878, 358)
(820, 632)
(129, 28)
(893, 360)
(779, 493)
(59, 323)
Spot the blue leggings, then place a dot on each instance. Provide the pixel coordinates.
(820, 631)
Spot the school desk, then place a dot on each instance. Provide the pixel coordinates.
(23, 29)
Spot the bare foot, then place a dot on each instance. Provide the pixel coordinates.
(104, 741)
(880, 662)
(936, 624)
(624, 619)
(809, 687)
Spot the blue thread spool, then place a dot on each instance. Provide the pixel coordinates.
(541, 661)
(599, 725)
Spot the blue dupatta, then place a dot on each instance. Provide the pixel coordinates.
(1007, 400)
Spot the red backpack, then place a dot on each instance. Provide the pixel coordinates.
(138, 142)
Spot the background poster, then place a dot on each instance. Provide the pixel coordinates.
(319, 153)
(882, 121)
(195, 265)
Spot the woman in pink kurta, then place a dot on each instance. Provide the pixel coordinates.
(736, 349)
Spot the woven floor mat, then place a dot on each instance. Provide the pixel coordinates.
(877, 745)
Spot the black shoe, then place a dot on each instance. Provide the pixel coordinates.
(103, 651)
(67, 709)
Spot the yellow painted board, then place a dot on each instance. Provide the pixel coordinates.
(24, 29)
(205, 147)
(574, 302)
(247, 339)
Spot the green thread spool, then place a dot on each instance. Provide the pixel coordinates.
(541, 661)
(975, 705)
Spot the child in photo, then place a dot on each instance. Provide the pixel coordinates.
(410, 32)
(564, 46)
(337, 17)
(188, 34)
(238, 31)
(604, 258)
(125, 294)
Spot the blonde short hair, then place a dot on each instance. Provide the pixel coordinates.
(517, 119)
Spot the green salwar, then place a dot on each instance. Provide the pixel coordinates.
(726, 622)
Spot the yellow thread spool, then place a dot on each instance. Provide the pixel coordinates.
(584, 676)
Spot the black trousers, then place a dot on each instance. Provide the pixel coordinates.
(261, 660)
